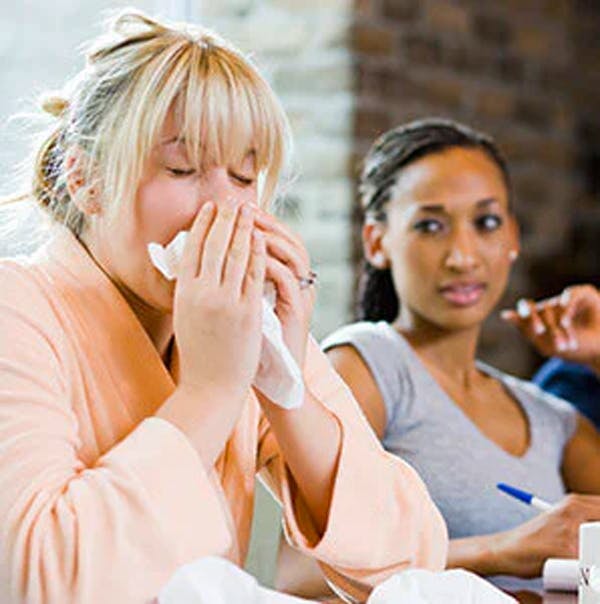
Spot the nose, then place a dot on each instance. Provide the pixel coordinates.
(216, 185)
(462, 252)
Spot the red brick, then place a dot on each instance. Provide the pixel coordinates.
(372, 39)
(445, 17)
(400, 10)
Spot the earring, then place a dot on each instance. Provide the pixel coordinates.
(379, 261)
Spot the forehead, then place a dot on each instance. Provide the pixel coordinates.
(172, 140)
(451, 177)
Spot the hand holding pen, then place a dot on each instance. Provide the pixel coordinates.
(554, 533)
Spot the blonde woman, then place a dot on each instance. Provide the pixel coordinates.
(130, 433)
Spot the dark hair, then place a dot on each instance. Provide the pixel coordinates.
(392, 151)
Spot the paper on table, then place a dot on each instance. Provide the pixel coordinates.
(560, 574)
(278, 377)
(419, 586)
(214, 580)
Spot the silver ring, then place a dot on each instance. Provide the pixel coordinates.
(308, 281)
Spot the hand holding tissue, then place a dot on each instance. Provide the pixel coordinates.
(278, 377)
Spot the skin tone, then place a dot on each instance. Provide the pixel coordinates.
(567, 325)
(450, 240)
(213, 309)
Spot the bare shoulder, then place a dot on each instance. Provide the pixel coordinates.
(350, 365)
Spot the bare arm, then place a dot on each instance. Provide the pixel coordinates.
(581, 459)
(354, 371)
(309, 438)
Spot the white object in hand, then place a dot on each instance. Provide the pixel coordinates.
(213, 580)
(419, 586)
(278, 377)
(589, 563)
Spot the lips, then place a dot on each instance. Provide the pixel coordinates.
(463, 294)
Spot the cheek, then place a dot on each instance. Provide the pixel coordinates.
(414, 264)
(163, 209)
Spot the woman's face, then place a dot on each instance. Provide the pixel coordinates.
(169, 195)
(449, 240)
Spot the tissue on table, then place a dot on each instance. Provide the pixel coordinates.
(278, 377)
(419, 586)
(213, 580)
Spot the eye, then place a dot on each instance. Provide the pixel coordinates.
(244, 181)
(428, 226)
(180, 172)
(488, 222)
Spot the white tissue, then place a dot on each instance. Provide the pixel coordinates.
(450, 587)
(278, 377)
(560, 574)
(213, 580)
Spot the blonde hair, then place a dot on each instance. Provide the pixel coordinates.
(114, 109)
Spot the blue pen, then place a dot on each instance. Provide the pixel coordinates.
(525, 497)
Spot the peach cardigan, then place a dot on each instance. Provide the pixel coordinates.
(101, 502)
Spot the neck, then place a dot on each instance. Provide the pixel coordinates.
(157, 324)
(451, 353)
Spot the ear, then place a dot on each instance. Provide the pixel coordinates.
(373, 233)
(82, 187)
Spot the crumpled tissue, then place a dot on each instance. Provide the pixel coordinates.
(278, 377)
(455, 586)
(214, 580)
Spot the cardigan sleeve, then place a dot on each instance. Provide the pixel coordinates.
(381, 518)
(73, 531)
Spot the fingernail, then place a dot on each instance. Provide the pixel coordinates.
(505, 314)
(574, 344)
(565, 297)
(523, 309)
(561, 346)
(565, 322)
(539, 329)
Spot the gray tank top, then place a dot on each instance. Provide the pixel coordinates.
(459, 464)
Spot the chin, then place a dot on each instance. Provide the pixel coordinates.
(458, 319)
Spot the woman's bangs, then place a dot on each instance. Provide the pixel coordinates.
(225, 114)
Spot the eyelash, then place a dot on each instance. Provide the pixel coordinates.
(424, 225)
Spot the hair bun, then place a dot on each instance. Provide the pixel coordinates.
(54, 105)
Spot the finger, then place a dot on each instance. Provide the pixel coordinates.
(254, 281)
(575, 300)
(191, 258)
(533, 326)
(271, 224)
(286, 284)
(236, 261)
(510, 316)
(217, 243)
(555, 333)
(282, 250)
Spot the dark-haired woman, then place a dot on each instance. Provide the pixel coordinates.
(439, 238)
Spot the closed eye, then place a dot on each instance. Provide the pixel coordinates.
(181, 173)
(244, 181)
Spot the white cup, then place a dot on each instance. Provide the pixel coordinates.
(589, 563)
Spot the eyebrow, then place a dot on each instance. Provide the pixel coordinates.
(482, 203)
